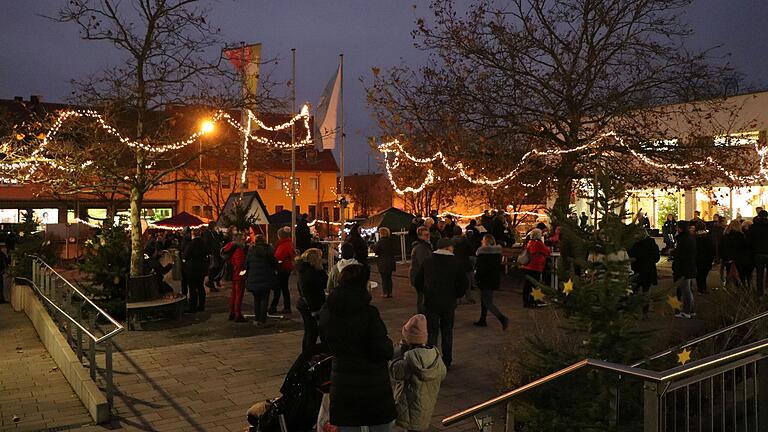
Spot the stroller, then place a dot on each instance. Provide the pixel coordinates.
(297, 408)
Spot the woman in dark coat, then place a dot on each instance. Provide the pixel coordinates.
(488, 278)
(260, 267)
(385, 249)
(312, 282)
(361, 393)
(734, 252)
(645, 254)
(358, 242)
(705, 255)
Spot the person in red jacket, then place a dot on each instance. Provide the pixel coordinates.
(284, 253)
(538, 253)
(234, 253)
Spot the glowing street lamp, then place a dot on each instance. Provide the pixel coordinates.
(206, 127)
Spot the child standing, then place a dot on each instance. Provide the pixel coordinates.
(416, 373)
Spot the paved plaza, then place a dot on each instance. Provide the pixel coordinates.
(203, 373)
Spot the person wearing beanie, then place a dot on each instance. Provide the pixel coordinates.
(416, 372)
(444, 282)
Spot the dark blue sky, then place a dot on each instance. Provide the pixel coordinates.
(40, 57)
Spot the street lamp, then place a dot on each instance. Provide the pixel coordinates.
(206, 127)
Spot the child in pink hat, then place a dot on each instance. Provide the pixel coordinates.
(416, 374)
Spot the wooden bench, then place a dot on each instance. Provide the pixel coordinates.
(143, 295)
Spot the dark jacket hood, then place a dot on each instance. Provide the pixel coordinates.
(345, 301)
(495, 249)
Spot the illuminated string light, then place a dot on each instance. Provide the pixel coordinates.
(475, 216)
(396, 148)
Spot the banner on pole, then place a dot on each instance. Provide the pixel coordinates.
(326, 119)
(246, 59)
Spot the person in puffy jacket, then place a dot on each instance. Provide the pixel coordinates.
(538, 253)
(417, 372)
(260, 267)
(234, 252)
(312, 282)
(361, 392)
(488, 278)
(284, 253)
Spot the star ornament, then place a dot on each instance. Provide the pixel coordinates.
(568, 287)
(537, 294)
(674, 303)
(684, 356)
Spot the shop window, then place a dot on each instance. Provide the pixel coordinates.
(96, 214)
(71, 216)
(9, 216)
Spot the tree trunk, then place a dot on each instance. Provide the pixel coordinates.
(137, 259)
(564, 190)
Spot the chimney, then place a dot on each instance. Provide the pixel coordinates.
(35, 99)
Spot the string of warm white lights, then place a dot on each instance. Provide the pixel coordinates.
(475, 216)
(396, 148)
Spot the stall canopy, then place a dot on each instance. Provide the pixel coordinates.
(179, 221)
(283, 217)
(252, 201)
(392, 218)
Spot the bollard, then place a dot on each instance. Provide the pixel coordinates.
(92, 346)
(108, 372)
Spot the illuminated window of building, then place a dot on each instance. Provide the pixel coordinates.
(226, 182)
(262, 181)
(737, 139)
(71, 216)
(96, 215)
(9, 215)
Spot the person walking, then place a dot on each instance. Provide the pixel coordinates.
(234, 253)
(705, 255)
(684, 268)
(312, 282)
(213, 242)
(303, 235)
(385, 249)
(644, 254)
(417, 372)
(444, 282)
(261, 278)
(195, 268)
(583, 220)
(420, 251)
(361, 392)
(488, 278)
(5, 262)
(758, 242)
(734, 253)
(284, 253)
(538, 253)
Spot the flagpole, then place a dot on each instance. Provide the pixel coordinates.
(341, 147)
(243, 117)
(293, 148)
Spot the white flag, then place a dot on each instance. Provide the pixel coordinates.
(326, 119)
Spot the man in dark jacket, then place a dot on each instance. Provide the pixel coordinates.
(757, 237)
(261, 270)
(213, 241)
(462, 250)
(361, 392)
(195, 268)
(444, 281)
(645, 254)
(420, 251)
(684, 268)
(303, 235)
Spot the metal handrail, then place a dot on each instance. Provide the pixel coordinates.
(648, 375)
(97, 340)
(702, 338)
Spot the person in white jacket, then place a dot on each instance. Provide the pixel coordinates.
(416, 372)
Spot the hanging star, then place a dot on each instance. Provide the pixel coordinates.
(684, 356)
(567, 287)
(674, 302)
(537, 294)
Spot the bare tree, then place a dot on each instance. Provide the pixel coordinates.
(519, 75)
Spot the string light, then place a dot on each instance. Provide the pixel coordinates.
(475, 216)
(396, 148)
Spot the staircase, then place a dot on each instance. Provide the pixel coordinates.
(725, 390)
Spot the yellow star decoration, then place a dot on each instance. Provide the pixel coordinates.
(684, 356)
(674, 302)
(567, 287)
(537, 294)
(41, 136)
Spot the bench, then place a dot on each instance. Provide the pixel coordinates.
(143, 296)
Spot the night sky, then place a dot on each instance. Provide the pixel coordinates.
(40, 57)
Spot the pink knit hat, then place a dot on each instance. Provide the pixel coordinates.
(415, 330)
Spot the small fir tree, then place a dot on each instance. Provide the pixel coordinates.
(106, 262)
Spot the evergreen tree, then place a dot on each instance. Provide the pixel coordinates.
(601, 313)
(106, 262)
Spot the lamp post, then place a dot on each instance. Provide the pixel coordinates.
(206, 127)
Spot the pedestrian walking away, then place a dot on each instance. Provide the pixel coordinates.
(385, 250)
(684, 268)
(284, 253)
(757, 237)
(261, 278)
(645, 254)
(488, 278)
(444, 282)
